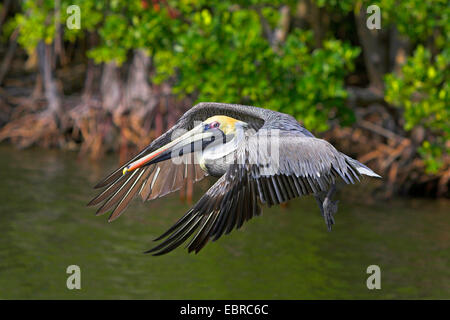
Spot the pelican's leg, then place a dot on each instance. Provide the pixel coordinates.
(319, 199)
(330, 207)
(327, 206)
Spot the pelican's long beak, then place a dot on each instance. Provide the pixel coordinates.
(191, 141)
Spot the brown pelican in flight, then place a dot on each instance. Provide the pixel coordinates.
(261, 157)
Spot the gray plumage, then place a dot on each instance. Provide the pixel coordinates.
(303, 165)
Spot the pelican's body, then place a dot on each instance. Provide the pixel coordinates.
(261, 157)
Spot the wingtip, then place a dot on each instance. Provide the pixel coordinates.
(113, 217)
(375, 175)
(155, 248)
(368, 172)
(153, 252)
(100, 211)
(165, 234)
(99, 185)
(157, 238)
(95, 201)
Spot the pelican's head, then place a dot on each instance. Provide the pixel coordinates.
(216, 129)
(225, 124)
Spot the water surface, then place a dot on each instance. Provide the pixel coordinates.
(284, 254)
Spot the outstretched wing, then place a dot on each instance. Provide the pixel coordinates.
(149, 182)
(162, 178)
(288, 165)
(227, 204)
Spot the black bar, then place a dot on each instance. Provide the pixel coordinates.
(223, 309)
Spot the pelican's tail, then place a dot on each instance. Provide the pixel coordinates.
(363, 169)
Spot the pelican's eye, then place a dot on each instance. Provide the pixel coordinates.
(212, 125)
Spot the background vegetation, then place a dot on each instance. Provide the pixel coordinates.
(135, 66)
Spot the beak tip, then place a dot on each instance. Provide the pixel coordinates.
(125, 170)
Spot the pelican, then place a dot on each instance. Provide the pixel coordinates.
(260, 157)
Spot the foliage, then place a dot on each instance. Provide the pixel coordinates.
(223, 56)
(128, 26)
(423, 92)
(420, 21)
(342, 5)
(37, 21)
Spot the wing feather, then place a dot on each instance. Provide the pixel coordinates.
(122, 205)
(225, 206)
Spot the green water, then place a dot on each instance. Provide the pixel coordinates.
(285, 254)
